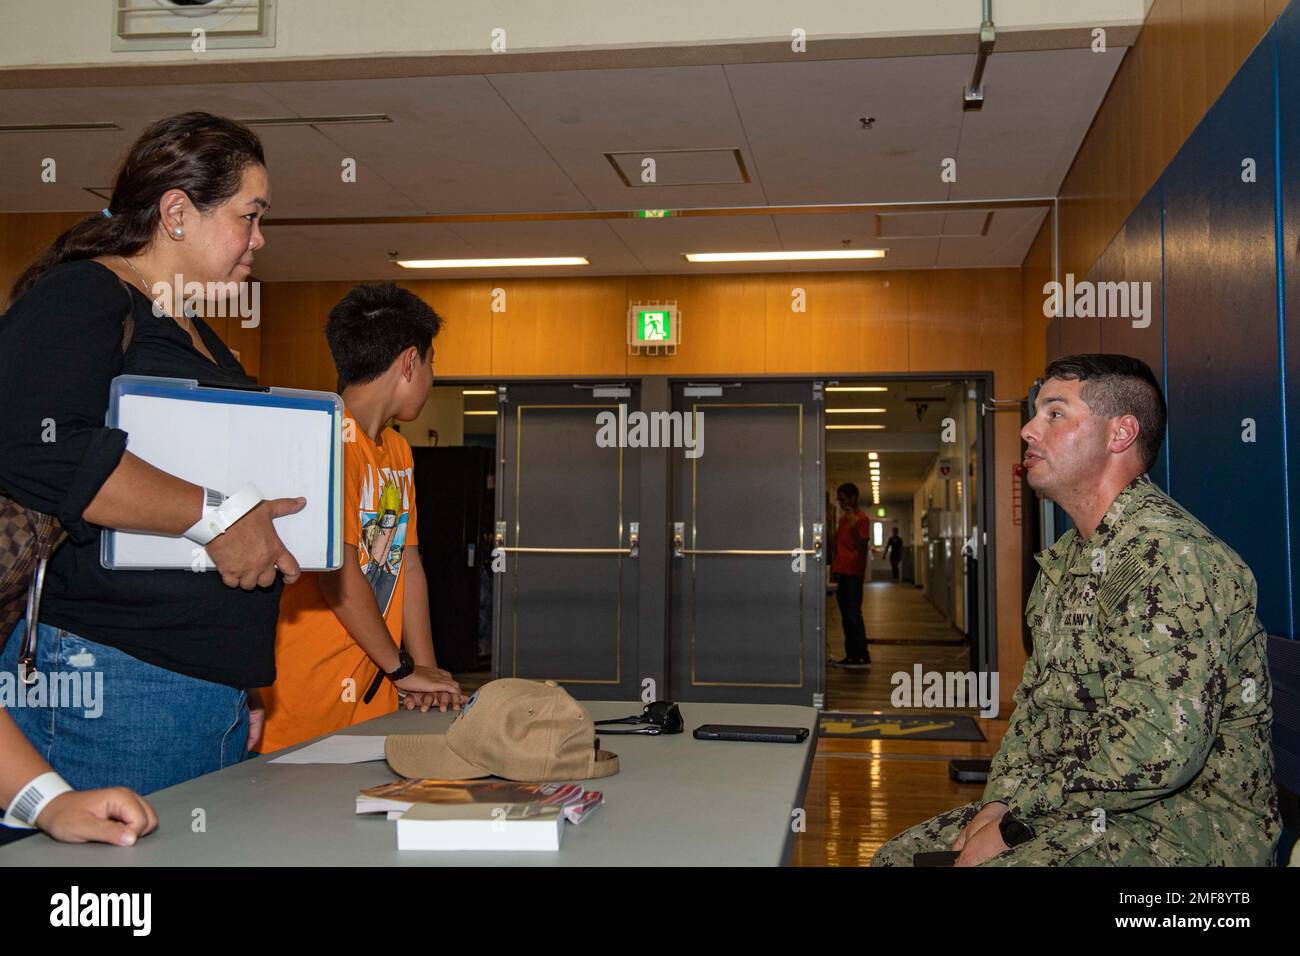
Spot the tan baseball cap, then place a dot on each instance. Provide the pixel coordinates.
(524, 730)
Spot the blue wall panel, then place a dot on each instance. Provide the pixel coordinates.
(1287, 37)
(1221, 331)
(1143, 256)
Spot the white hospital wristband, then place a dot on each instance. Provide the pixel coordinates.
(217, 518)
(32, 799)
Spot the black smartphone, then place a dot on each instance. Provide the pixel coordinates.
(770, 735)
(969, 771)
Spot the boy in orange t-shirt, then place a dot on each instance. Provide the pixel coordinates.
(348, 640)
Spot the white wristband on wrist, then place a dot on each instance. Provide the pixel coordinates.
(219, 512)
(27, 805)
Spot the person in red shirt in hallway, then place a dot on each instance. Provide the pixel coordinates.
(852, 544)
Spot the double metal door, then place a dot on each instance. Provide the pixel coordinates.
(715, 591)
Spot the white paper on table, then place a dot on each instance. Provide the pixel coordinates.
(341, 748)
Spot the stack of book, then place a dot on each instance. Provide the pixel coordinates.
(479, 814)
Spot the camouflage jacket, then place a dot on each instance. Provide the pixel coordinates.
(1146, 704)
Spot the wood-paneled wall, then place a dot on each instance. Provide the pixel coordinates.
(1035, 273)
(1184, 57)
(941, 320)
(854, 324)
(23, 236)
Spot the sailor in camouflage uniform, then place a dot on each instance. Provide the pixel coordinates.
(1141, 730)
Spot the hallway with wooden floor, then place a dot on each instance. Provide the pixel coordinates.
(903, 629)
(861, 792)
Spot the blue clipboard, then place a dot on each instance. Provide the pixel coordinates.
(286, 441)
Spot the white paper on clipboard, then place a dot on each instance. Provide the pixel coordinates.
(286, 442)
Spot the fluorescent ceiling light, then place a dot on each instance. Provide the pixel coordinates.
(784, 256)
(855, 411)
(856, 427)
(856, 388)
(492, 412)
(491, 263)
(337, 120)
(478, 391)
(59, 128)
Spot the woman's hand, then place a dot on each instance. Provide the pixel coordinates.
(114, 815)
(256, 718)
(250, 552)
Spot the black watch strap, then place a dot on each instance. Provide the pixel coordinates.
(405, 666)
(1014, 832)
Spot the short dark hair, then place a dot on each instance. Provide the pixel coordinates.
(848, 488)
(1117, 385)
(372, 325)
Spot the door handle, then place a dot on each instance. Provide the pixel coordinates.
(631, 551)
(680, 550)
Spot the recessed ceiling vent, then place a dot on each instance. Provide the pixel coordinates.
(679, 167)
(958, 224)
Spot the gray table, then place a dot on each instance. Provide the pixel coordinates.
(675, 801)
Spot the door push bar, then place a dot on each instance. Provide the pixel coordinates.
(1002, 404)
(680, 550)
(631, 551)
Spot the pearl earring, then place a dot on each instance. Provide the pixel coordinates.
(179, 231)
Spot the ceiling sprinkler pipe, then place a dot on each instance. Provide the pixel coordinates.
(973, 95)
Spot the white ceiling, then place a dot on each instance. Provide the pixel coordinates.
(536, 142)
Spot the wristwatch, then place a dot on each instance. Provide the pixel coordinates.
(405, 666)
(1014, 832)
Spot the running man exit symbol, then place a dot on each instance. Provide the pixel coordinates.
(655, 326)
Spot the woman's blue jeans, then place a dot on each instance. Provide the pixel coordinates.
(106, 719)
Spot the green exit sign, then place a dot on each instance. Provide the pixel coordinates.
(654, 326)
(655, 213)
(880, 512)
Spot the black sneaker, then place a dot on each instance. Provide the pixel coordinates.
(851, 663)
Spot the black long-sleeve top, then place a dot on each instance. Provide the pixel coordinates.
(60, 347)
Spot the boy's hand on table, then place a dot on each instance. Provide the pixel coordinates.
(426, 685)
(441, 700)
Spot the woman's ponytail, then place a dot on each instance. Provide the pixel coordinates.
(202, 155)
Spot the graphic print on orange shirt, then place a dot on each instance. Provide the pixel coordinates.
(384, 510)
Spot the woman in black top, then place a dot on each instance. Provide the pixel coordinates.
(172, 651)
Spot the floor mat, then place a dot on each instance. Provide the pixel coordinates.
(901, 726)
